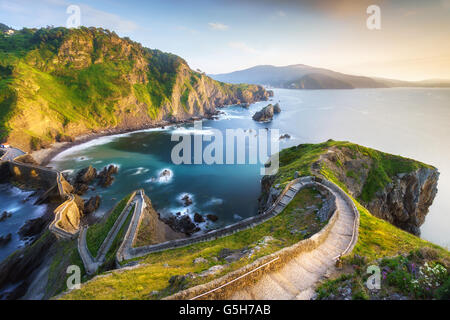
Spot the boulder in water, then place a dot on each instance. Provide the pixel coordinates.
(5, 215)
(187, 201)
(91, 205)
(276, 108)
(212, 217)
(265, 115)
(198, 218)
(182, 224)
(4, 240)
(105, 176)
(86, 175)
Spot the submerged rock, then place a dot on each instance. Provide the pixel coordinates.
(276, 108)
(91, 205)
(187, 201)
(34, 227)
(86, 175)
(5, 215)
(182, 224)
(105, 176)
(198, 218)
(212, 217)
(4, 240)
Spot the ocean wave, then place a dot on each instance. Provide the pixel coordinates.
(188, 131)
(101, 141)
(214, 202)
(162, 178)
(139, 171)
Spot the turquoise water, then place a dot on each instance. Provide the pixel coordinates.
(407, 121)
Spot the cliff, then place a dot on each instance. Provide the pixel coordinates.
(396, 189)
(58, 83)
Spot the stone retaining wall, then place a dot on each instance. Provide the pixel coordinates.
(215, 234)
(283, 255)
(31, 175)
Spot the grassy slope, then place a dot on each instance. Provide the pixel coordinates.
(377, 237)
(97, 233)
(161, 266)
(384, 167)
(56, 82)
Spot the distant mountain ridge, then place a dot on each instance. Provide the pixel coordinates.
(300, 76)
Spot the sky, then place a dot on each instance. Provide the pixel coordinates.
(223, 36)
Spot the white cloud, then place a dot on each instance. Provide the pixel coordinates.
(218, 26)
(53, 12)
(281, 13)
(98, 18)
(186, 29)
(242, 46)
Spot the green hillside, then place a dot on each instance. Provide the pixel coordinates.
(167, 272)
(57, 83)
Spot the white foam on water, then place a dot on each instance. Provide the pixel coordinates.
(161, 179)
(140, 170)
(182, 195)
(100, 141)
(214, 202)
(68, 171)
(188, 131)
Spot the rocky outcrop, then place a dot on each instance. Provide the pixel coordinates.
(198, 218)
(396, 189)
(212, 217)
(86, 175)
(406, 200)
(91, 205)
(146, 88)
(266, 113)
(182, 224)
(34, 227)
(187, 201)
(106, 175)
(5, 215)
(4, 240)
(276, 108)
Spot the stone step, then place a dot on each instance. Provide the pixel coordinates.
(284, 283)
(299, 277)
(307, 294)
(268, 289)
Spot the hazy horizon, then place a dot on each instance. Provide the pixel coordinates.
(225, 36)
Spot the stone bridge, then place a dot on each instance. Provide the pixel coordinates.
(55, 187)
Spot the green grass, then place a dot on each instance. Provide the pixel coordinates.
(384, 166)
(110, 257)
(97, 232)
(378, 238)
(66, 254)
(89, 86)
(161, 266)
